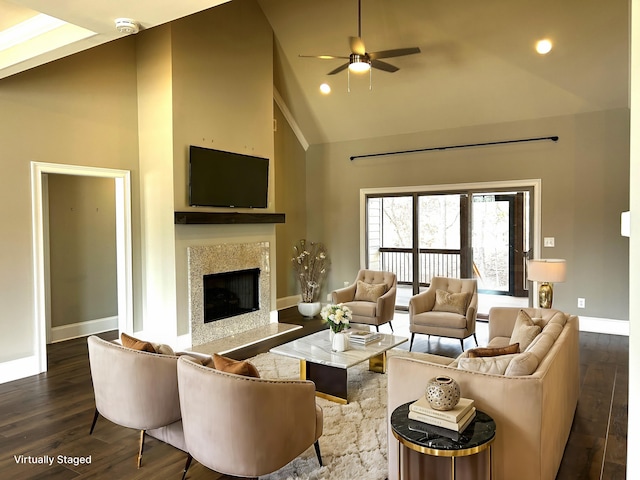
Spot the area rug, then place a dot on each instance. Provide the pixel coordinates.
(354, 439)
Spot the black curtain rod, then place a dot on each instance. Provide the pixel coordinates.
(451, 147)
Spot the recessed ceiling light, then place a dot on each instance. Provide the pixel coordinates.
(325, 89)
(544, 46)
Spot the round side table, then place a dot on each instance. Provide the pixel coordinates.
(423, 438)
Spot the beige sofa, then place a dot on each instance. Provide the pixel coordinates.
(533, 412)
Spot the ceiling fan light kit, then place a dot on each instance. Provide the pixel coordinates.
(360, 61)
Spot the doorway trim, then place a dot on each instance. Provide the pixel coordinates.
(122, 180)
(535, 184)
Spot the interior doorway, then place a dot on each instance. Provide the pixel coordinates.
(123, 246)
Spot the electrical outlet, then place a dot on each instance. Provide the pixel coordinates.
(549, 241)
(581, 303)
(347, 283)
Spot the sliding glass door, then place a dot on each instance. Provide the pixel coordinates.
(481, 235)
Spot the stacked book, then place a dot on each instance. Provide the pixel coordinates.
(455, 420)
(364, 336)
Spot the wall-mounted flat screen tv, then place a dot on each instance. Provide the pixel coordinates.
(226, 179)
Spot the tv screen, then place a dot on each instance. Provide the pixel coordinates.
(225, 179)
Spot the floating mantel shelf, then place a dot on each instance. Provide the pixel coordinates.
(210, 218)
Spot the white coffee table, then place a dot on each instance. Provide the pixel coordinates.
(328, 369)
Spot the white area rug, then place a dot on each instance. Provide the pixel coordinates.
(354, 440)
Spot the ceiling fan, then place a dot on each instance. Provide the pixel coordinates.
(362, 61)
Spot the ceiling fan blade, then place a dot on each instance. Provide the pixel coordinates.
(323, 57)
(398, 52)
(339, 69)
(357, 45)
(387, 67)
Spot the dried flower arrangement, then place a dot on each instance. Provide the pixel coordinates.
(311, 264)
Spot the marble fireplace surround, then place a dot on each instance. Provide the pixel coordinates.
(208, 259)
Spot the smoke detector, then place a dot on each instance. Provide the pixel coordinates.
(127, 25)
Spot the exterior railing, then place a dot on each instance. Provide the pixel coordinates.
(433, 263)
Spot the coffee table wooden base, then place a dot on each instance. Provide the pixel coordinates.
(331, 382)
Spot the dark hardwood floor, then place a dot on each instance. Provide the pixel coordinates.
(50, 414)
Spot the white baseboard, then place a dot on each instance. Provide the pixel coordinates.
(604, 325)
(20, 368)
(82, 329)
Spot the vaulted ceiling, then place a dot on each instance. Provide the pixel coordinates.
(477, 63)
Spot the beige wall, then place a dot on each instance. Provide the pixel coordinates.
(80, 110)
(222, 78)
(584, 189)
(82, 246)
(290, 200)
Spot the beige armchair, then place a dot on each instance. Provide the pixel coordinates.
(136, 389)
(371, 297)
(245, 426)
(447, 308)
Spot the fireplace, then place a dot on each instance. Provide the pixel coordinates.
(219, 260)
(230, 293)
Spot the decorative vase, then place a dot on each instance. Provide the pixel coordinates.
(309, 310)
(443, 393)
(340, 342)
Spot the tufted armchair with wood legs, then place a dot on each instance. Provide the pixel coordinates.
(376, 311)
(429, 318)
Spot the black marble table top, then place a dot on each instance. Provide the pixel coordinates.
(439, 441)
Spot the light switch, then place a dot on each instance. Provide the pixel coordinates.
(549, 241)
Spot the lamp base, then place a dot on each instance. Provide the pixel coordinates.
(545, 295)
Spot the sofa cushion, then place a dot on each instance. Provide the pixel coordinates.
(136, 344)
(362, 309)
(440, 319)
(522, 364)
(524, 330)
(493, 351)
(238, 367)
(369, 292)
(451, 302)
(495, 365)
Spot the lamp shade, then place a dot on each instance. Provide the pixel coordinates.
(551, 270)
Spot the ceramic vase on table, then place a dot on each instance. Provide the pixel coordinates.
(339, 341)
(309, 309)
(443, 393)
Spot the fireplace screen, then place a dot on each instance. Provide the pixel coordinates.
(230, 293)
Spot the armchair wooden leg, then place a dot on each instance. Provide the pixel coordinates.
(317, 447)
(391, 326)
(476, 339)
(462, 344)
(411, 343)
(377, 328)
(95, 419)
(186, 466)
(141, 447)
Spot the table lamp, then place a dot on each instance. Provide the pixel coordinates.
(546, 272)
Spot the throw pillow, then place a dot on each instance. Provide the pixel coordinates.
(136, 344)
(163, 348)
(493, 352)
(493, 365)
(369, 292)
(451, 302)
(238, 367)
(524, 330)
